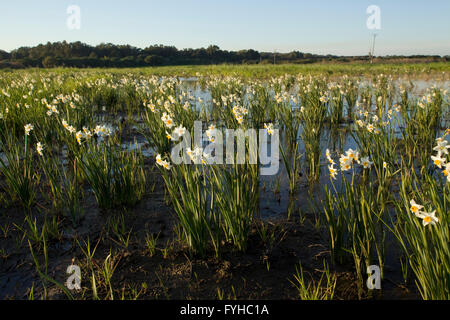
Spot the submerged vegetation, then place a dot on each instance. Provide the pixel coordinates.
(364, 161)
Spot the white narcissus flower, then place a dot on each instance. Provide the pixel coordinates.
(415, 207)
(159, 161)
(165, 164)
(28, 128)
(353, 155)
(169, 136)
(167, 120)
(356, 157)
(65, 124)
(333, 172)
(79, 135)
(345, 164)
(446, 171)
(211, 132)
(71, 129)
(438, 160)
(269, 128)
(366, 163)
(179, 131)
(328, 155)
(428, 217)
(39, 148)
(442, 146)
(87, 133)
(190, 153)
(102, 131)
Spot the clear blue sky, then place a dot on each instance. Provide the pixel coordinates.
(328, 26)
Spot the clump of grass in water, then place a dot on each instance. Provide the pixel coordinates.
(425, 240)
(116, 177)
(355, 224)
(236, 196)
(313, 116)
(18, 169)
(188, 193)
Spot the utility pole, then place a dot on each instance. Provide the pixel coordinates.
(373, 48)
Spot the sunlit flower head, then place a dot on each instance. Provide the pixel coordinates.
(162, 163)
(346, 165)
(366, 163)
(438, 160)
(269, 128)
(79, 136)
(28, 128)
(351, 154)
(442, 146)
(159, 160)
(39, 148)
(428, 217)
(446, 170)
(333, 171)
(415, 207)
(179, 131)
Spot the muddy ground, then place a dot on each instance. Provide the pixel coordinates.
(264, 271)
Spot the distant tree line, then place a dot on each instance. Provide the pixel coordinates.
(81, 55)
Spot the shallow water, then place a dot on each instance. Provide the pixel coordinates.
(275, 198)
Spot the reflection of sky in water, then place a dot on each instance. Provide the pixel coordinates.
(272, 202)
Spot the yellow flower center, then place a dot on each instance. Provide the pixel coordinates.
(414, 209)
(437, 162)
(427, 219)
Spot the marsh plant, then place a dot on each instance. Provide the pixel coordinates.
(64, 134)
(354, 218)
(18, 168)
(236, 197)
(115, 176)
(188, 192)
(313, 116)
